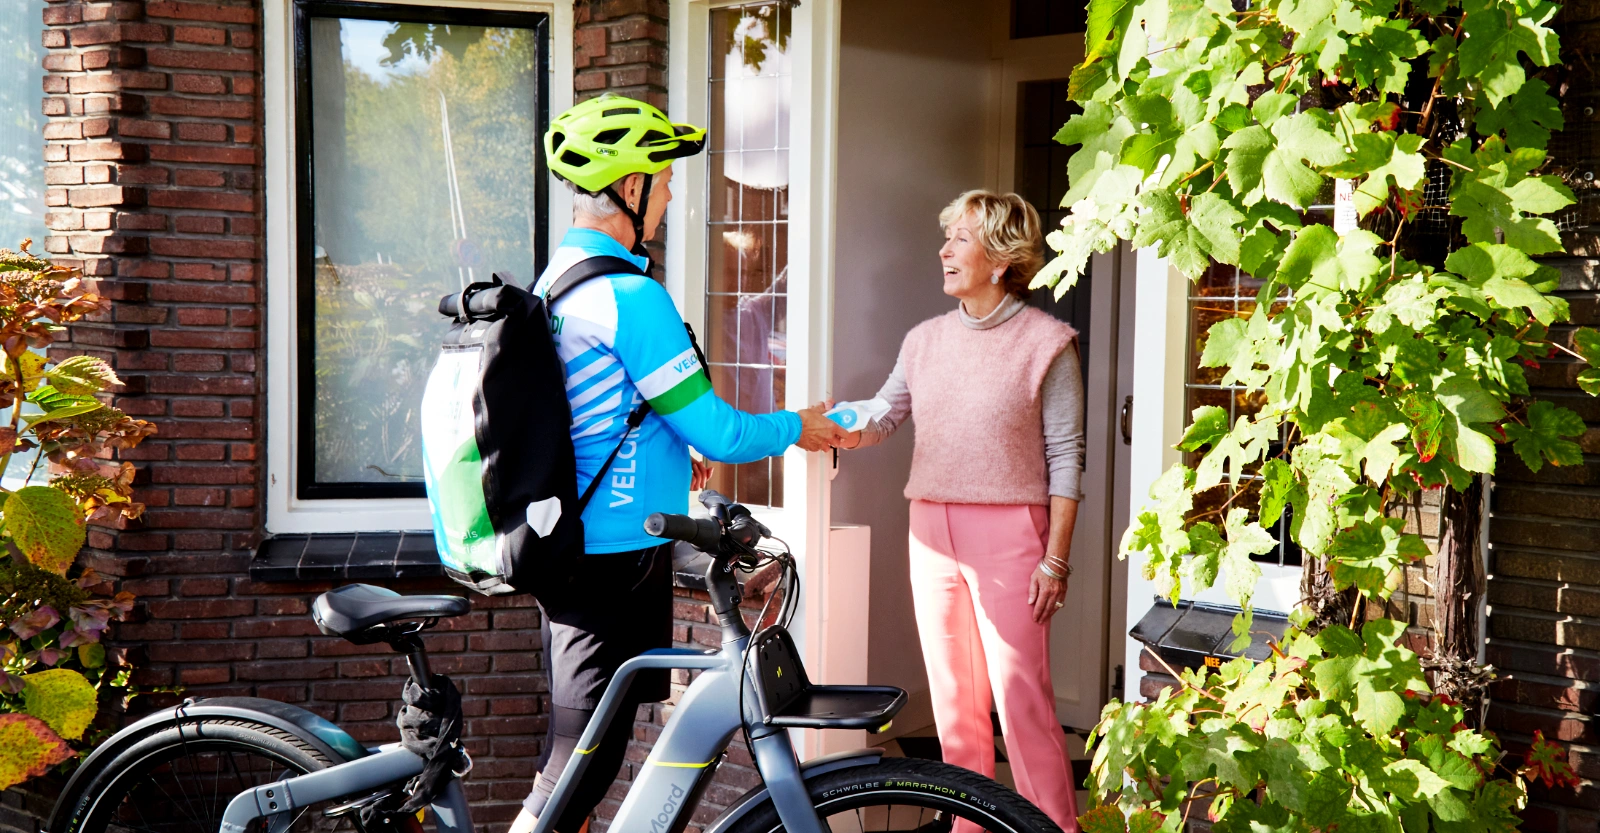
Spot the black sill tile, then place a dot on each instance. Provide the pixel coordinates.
(374, 548)
(334, 556)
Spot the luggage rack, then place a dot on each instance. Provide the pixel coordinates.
(789, 700)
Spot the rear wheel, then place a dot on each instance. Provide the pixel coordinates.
(181, 782)
(908, 794)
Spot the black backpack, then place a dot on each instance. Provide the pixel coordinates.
(497, 442)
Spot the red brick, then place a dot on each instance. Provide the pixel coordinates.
(201, 85)
(242, 498)
(202, 200)
(190, 474)
(201, 108)
(112, 195)
(199, 519)
(197, 541)
(199, 497)
(201, 59)
(203, 676)
(209, 12)
(198, 272)
(242, 451)
(193, 178)
(197, 362)
(190, 224)
(63, 15)
(244, 38)
(204, 609)
(63, 130)
(203, 294)
(202, 586)
(214, 452)
(207, 35)
(215, 249)
(144, 222)
(203, 339)
(243, 84)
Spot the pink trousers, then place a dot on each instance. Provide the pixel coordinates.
(970, 567)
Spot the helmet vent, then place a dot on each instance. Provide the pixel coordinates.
(574, 159)
(610, 137)
(620, 111)
(556, 139)
(651, 137)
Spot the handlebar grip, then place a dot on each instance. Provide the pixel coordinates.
(702, 533)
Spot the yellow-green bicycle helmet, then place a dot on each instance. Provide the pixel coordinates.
(604, 139)
(598, 142)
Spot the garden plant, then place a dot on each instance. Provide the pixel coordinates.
(1386, 355)
(54, 669)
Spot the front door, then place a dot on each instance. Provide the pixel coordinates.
(1080, 654)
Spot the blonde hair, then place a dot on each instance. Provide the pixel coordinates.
(1008, 230)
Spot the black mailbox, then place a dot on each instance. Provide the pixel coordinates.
(1195, 634)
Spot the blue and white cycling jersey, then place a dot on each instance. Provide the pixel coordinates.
(623, 343)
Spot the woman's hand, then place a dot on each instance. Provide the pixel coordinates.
(700, 473)
(817, 432)
(1046, 595)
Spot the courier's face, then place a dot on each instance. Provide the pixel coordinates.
(967, 267)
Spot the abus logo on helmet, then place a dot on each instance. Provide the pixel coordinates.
(668, 811)
(606, 151)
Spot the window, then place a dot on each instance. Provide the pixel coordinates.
(21, 125)
(747, 226)
(1038, 18)
(417, 173)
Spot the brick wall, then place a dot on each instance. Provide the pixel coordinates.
(155, 189)
(1544, 553)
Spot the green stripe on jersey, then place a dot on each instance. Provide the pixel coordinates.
(681, 394)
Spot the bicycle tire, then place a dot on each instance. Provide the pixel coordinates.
(948, 792)
(123, 794)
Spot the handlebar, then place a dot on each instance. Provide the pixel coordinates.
(731, 528)
(702, 533)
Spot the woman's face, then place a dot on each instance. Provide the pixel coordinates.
(967, 268)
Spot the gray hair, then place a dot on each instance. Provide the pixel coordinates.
(596, 206)
(593, 206)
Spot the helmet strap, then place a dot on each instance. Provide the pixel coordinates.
(635, 215)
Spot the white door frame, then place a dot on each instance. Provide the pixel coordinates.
(814, 41)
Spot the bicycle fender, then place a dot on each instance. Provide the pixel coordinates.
(814, 767)
(317, 732)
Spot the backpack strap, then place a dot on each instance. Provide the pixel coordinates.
(635, 419)
(589, 267)
(592, 267)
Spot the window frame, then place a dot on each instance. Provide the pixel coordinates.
(306, 487)
(286, 105)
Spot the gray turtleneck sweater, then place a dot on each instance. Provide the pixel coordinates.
(1061, 397)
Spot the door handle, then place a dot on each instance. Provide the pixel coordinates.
(1127, 420)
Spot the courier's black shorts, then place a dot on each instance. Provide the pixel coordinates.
(615, 607)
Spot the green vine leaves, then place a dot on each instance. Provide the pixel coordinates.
(1207, 132)
(1385, 357)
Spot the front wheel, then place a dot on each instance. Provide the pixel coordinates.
(908, 794)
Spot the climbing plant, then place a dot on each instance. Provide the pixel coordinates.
(54, 611)
(1388, 351)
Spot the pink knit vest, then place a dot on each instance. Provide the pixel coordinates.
(975, 399)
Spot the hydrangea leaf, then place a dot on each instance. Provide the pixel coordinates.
(62, 698)
(28, 749)
(82, 375)
(46, 526)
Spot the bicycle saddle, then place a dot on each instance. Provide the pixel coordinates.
(349, 610)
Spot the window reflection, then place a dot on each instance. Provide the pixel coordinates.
(423, 180)
(748, 226)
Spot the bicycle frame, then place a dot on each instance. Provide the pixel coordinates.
(702, 726)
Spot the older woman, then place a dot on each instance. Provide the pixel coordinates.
(998, 396)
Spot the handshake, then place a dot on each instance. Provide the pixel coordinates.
(818, 432)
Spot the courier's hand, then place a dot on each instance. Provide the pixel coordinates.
(817, 432)
(700, 474)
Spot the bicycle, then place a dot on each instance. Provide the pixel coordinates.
(237, 764)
